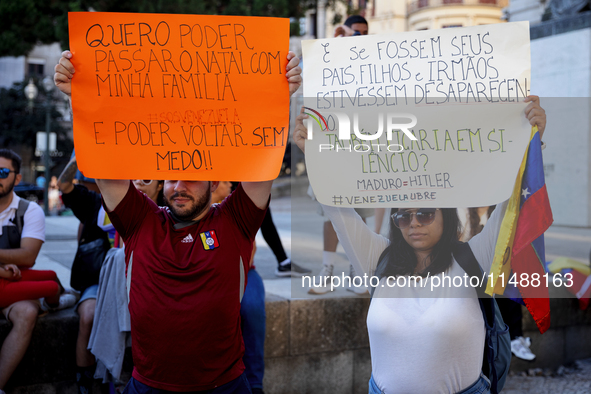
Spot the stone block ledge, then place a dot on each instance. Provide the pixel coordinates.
(312, 345)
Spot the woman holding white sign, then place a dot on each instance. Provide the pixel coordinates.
(424, 337)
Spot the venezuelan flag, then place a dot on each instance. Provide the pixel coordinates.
(520, 245)
(209, 240)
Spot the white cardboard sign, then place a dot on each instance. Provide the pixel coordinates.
(464, 88)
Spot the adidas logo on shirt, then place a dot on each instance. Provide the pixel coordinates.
(187, 239)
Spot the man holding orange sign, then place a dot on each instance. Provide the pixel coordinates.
(186, 273)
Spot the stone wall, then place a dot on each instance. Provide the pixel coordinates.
(317, 346)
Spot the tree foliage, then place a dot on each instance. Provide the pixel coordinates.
(19, 123)
(25, 23)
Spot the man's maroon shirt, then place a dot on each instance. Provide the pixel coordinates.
(184, 295)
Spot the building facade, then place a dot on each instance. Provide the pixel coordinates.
(391, 16)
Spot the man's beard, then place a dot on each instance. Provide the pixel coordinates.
(191, 209)
(8, 190)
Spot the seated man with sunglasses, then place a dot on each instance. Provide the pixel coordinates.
(22, 232)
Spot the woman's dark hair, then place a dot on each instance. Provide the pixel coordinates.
(400, 258)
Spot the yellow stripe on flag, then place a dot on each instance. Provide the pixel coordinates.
(204, 241)
(504, 248)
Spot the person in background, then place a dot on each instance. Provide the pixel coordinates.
(22, 232)
(252, 312)
(224, 190)
(87, 207)
(355, 25)
(110, 334)
(85, 204)
(55, 203)
(285, 267)
(40, 180)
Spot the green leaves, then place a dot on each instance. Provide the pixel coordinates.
(19, 123)
(25, 23)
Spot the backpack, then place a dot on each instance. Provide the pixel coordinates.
(497, 343)
(19, 217)
(11, 235)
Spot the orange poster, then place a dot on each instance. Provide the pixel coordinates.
(192, 97)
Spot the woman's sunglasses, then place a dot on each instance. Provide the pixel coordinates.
(4, 172)
(145, 182)
(425, 216)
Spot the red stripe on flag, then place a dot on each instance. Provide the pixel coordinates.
(215, 239)
(537, 298)
(534, 218)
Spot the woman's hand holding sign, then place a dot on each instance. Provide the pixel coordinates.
(535, 114)
(300, 135)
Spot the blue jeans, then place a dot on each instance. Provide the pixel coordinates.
(481, 386)
(253, 321)
(88, 294)
(236, 386)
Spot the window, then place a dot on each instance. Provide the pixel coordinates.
(35, 70)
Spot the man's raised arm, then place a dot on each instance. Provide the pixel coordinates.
(112, 191)
(259, 191)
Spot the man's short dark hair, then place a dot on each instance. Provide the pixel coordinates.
(355, 19)
(12, 155)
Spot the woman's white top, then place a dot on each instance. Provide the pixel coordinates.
(422, 339)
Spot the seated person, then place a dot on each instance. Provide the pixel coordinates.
(22, 226)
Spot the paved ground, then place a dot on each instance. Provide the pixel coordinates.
(300, 228)
(575, 379)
